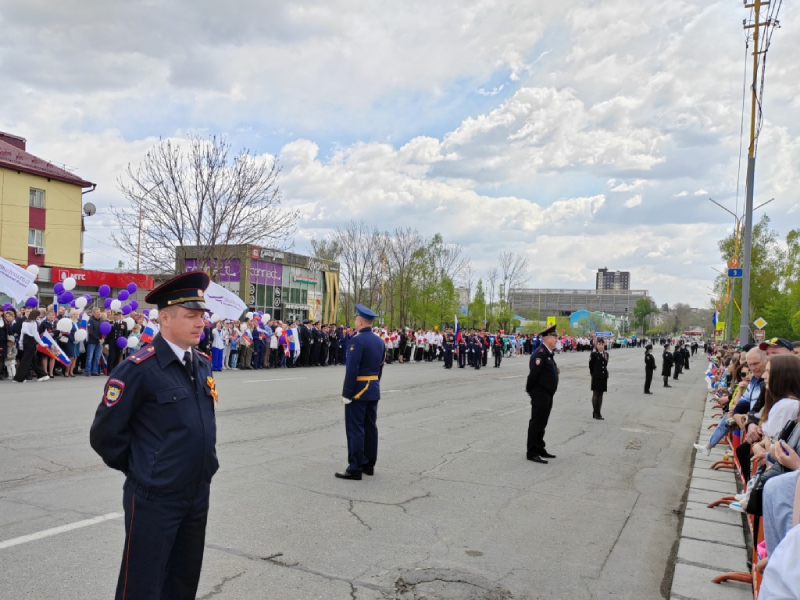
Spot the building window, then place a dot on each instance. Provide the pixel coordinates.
(37, 198)
(35, 237)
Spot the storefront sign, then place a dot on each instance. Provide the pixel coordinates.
(230, 270)
(98, 278)
(318, 265)
(265, 273)
(256, 253)
(304, 279)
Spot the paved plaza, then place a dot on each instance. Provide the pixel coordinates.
(454, 510)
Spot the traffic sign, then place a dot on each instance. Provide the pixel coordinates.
(758, 335)
(733, 262)
(760, 323)
(735, 273)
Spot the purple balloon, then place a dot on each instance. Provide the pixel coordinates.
(146, 312)
(122, 342)
(133, 304)
(66, 298)
(104, 290)
(31, 302)
(6, 306)
(123, 295)
(58, 289)
(202, 335)
(72, 304)
(107, 303)
(132, 288)
(105, 327)
(88, 298)
(126, 310)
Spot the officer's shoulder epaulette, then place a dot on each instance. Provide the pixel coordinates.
(204, 355)
(143, 354)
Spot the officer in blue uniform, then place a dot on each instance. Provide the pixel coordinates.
(462, 351)
(541, 386)
(156, 423)
(360, 395)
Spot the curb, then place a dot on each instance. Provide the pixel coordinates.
(712, 540)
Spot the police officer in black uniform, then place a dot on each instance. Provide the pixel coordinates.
(649, 367)
(119, 329)
(598, 369)
(666, 365)
(156, 423)
(541, 387)
(497, 348)
(360, 394)
(448, 340)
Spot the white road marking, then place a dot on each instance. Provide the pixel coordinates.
(56, 530)
(281, 379)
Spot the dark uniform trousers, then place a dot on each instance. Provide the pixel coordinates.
(541, 405)
(498, 355)
(361, 426)
(164, 542)
(648, 379)
(448, 356)
(462, 356)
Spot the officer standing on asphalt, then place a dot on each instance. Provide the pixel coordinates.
(447, 342)
(598, 369)
(541, 387)
(462, 351)
(649, 367)
(497, 348)
(360, 395)
(666, 365)
(156, 424)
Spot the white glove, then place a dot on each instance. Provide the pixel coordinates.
(346, 400)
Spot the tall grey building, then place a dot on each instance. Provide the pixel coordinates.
(613, 280)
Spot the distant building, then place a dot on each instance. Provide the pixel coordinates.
(41, 209)
(463, 297)
(613, 280)
(563, 303)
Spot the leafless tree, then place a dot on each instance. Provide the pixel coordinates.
(492, 275)
(402, 246)
(360, 263)
(468, 280)
(198, 194)
(327, 248)
(513, 268)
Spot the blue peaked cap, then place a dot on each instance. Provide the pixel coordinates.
(364, 312)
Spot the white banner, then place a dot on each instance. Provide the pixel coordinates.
(224, 302)
(15, 280)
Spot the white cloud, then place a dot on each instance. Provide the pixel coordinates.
(633, 201)
(700, 192)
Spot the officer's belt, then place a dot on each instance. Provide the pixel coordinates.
(366, 378)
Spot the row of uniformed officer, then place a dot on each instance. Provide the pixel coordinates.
(156, 423)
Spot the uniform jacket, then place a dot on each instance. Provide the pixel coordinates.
(598, 368)
(448, 340)
(364, 367)
(305, 335)
(666, 364)
(154, 424)
(543, 375)
(118, 330)
(649, 362)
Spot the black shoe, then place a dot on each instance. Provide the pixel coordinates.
(649, 393)
(536, 458)
(669, 386)
(547, 455)
(599, 418)
(368, 470)
(349, 475)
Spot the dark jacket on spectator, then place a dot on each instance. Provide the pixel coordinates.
(93, 335)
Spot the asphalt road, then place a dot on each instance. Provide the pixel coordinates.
(454, 510)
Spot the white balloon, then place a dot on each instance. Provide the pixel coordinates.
(214, 318)
(80, 335)
(130, 323)
(69, 283)
(266, 317)
(133, 341)
(153, 314)
(33, 290)
(80, 302)
(279, 330)
(116, 305)
(33, 269)
(64, 325)
(249, 315)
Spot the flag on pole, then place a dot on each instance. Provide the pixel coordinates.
(458, 330)
(148, 334)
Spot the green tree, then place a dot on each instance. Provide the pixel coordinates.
(643, 309)
(477, 308)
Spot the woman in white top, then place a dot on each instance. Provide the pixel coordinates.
(28, 340)
(782, 377)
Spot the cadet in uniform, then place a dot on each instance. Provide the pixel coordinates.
(447, 342)
(462, 352)
(541, 387)
(598, 369)
(649, 367)
(497, 348)
(156, 424)
(360, 395)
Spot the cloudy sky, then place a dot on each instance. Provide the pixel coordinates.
(581, 133)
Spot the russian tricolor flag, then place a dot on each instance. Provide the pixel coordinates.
(458, 330)
(148, 334)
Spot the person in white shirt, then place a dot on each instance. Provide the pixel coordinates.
(28, 340)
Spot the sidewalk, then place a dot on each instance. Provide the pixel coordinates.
(712, 539)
